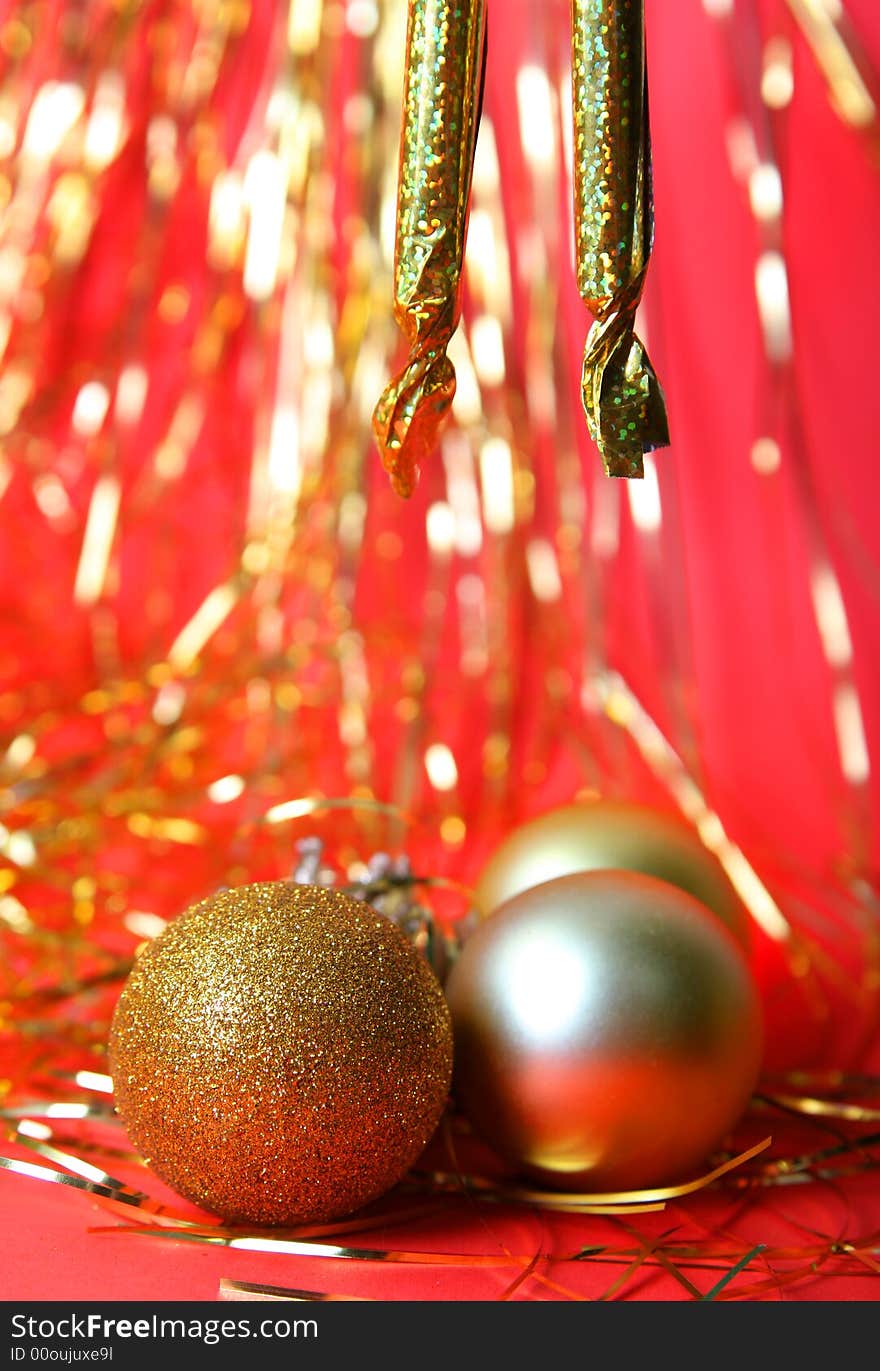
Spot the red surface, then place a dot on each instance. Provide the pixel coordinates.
(68, 1249)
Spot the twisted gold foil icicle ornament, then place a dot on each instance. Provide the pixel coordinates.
(444, 59)
(614, 226)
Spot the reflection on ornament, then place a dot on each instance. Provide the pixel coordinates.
(607, 1031)
(281, 1054)
(609, 835)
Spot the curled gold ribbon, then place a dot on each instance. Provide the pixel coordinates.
(614, 225)
(444, 59)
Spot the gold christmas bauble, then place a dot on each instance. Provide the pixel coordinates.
(607, 1031)
(281, 1054)
(598, 835)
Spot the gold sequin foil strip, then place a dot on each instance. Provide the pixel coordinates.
(444, 63)
(614, 225)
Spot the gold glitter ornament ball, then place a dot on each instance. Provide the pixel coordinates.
(281, 1054)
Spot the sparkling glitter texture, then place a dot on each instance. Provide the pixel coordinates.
(622, 398)
(281, 1054)
(444, 50)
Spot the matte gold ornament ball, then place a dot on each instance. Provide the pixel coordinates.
(607, 1031)
(601, 834)
(281, 1054)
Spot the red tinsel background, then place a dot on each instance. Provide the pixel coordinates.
(217, 617)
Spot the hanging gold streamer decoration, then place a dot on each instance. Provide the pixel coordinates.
(623, 402)
(444, 63)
